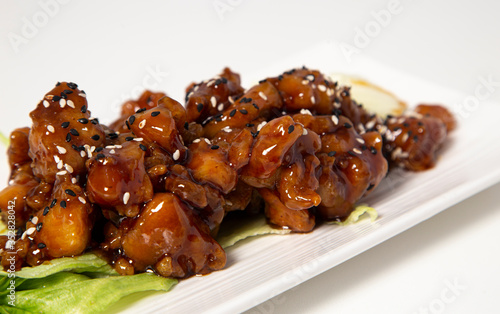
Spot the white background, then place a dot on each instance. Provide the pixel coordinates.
(110, 49)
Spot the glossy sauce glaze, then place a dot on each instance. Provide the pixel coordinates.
(151, 190)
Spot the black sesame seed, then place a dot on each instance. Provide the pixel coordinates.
(129, 138)
(332, 153)
(373, 150)
(255, 106)
(232, 113)
(415, 138)
(113, 136)
(363, 147)
(199, 107)
(63, 204)
(155, 113)
(186, 125)
(280, 77)
(254, 135)
(94, 121)
(95, 137)
(56, 98)
(262, 81)
(224, 80)
(243, 111)
(100, 156)
(290, 129)
(70, 192)
(128, 125)
(83, 109)
(63, 95)
(131, 120)
(74, 132)
(68, 137)
(217, 82)
(249, 125)
(370, 187)
(39, 226)
(406, 125)
(41, 246)
(99, 149)
(46, 211)
(67, 91)
(214, 147)
(54, 202)
(58, 83)
(72, 85)
(351, 153)
(144, 148)
(64, 125)
(347, 125)
(141, 110)
(83, 121)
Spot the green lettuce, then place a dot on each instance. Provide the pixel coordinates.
(357, 214)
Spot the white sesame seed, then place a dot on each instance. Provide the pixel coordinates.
(337, 105)
(61, 150)
(82, 200)
(329, 92)
(142, 124)
(207, 141)
(196, 88)
(360, 140)
(69, 168)
(118, 146)
(73, 180)
(60, 164)
(370, 124)
(227, 129)
(51, 129)
(304, 131)
(322, 88)
(110, 146)
(220, 107)
(126, 198)
(46, 104)
(82, 95)
(61, 173)
(138, 139)
(396, 153)
(262, 95)
(22, 238)
(357, 151)
(157, 128)
(56, 158)
(213, 101)
(34, 220)
(210, 83)
(313, 100)
(335, 120)
(305, 111)
(405, 137)
(261, 125)
(231, 100)
(62, 102)
(30, 231)
(176, 155)
(112, 151)
(82, 153)
(310, 77)
(197, 140)
(70, 104)
(92, 149)
(305, 82)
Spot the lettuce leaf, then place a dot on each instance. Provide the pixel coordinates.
(356, 215)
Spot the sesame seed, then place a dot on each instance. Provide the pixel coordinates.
(51, 129)
(197, 140)
(199, 107)
(34, 220)
(112, 151)
(82, 153)
(322, 88)
(262, 95)
(220, 107)
(53, 203)
(144, 148)
(335, 120)
(70, 192)
(46, 211)
(213, 101)
(138, 139)
(30, 231)
(405, 137)
(83, 121)
(60, 164)
(310, 77)
(347, 125)
(207, 141)
(176, 154)
(313, 100)
(41, 246)
(255, 106)
(332, 153)
(360, 140)
(70, 104)
(61, 150)
(95, 137)
(351, 153)
(304, 131)
(39, 226)
(290, 129)
(69, 168)
(100, 156)
(232, 113)
(155, 113)
(46, 104)
(126, 198)
(261, 125)
(74, 132)
(305, 82)
(131, 120)
(373, 150)
(357, 151)
(82, 95)
(243, 111)
(68, 137)
(62, 103)
(74, 181)
(82, 200)
(214, 147)
(129, 138)
(63, 204)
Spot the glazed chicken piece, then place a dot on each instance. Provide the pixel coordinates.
(351, 164)
(117, 178)
(169, 237)
(211, 97)
(438, 112)
(262, 100)
(62, 133)
(147, 100)
(64, 226)
(18, 150)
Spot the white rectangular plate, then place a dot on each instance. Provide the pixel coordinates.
(261, 268)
